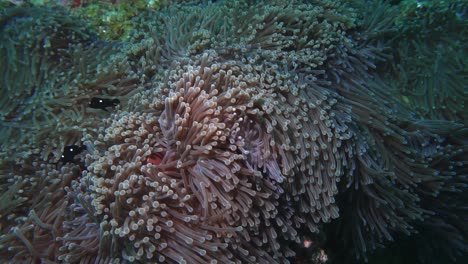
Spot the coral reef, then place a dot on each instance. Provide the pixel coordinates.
(112, 19)
(248, 132)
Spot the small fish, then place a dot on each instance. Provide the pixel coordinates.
(156, 158)
(102, 103)
(69, 153)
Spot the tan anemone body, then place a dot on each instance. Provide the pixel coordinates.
(226, 145)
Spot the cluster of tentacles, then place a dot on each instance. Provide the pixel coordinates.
(248, 132)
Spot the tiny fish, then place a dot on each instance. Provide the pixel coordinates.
(69, 153)
(102, 103)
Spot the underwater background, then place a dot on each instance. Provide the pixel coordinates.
(243, 131)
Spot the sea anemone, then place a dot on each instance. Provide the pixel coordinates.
(245, 129)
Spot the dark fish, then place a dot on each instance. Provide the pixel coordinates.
(69, 153)
(102, 103)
